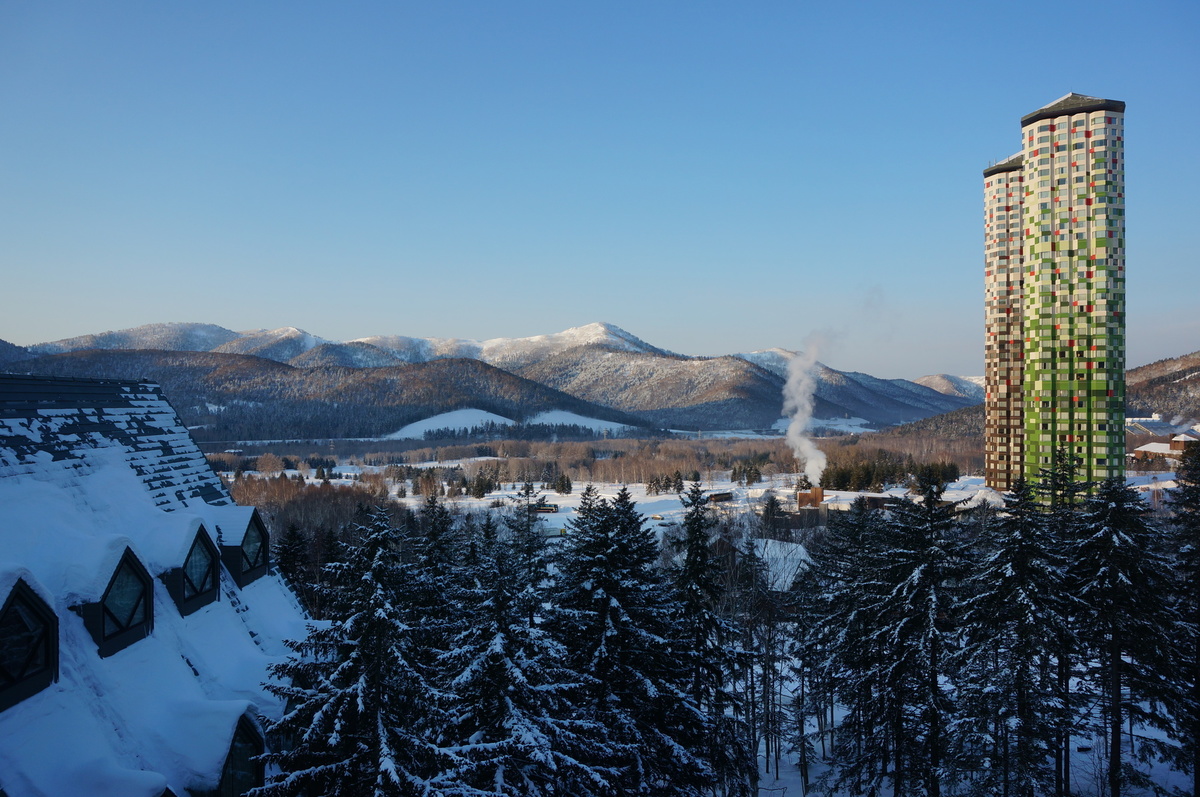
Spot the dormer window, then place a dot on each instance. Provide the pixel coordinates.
(248, 559)
(127, 601)
(28, 646)
(241, 772)
(126, 612)
(199, 570)
(194, 584)
(254, 549)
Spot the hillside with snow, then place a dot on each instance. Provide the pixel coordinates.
(164, 337)
(598, 363)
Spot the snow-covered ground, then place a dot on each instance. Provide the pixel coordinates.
(458, 419)
(466, 419)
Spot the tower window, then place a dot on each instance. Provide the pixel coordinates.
(28, 646)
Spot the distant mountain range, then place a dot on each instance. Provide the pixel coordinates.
(223, 380)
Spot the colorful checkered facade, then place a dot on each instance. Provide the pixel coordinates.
(1055, 294)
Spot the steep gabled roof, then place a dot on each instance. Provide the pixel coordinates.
(49, 425)
(87, 469)
(1072, 103)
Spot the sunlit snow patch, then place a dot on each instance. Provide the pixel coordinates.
(458, 419)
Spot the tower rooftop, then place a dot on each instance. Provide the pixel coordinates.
(1072, 103)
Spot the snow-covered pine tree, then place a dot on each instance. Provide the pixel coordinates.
(908, 616)
(706, 647)
(1185, 532)
(511, 724)
(527, 546)
(1058, 489)
(1123, 583)
(361, 718)
(611, 611)
(1013, 620)
(845, 653)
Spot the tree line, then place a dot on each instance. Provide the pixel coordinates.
(982, 653)
(923, 650)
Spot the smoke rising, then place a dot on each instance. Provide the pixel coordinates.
(798, 401)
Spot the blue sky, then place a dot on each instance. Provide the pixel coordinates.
(712, 177)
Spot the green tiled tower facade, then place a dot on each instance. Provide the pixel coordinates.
(1055, 374)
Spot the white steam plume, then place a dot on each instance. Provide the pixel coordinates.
(798, 401)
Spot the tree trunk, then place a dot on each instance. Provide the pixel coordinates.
(1114, 718)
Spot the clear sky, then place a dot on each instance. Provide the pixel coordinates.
(713, 177)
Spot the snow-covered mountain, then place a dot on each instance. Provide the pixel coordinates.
(599, 363)
(165, 337)
(280, 344)
(969, 387)
(509, 353)
(347, 355)
(774, 360)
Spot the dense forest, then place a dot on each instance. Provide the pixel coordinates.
(924, 650)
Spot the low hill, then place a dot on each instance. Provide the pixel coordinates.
(239, 397)
(1170, 387)
(11, 353)
(167, 337)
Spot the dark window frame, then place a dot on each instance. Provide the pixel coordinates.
(239, 565)
(94, 613)
(26, 684)
(250, 733)
(177, 579)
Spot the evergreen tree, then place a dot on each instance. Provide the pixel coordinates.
(916, 623)
(705, 646)
(839, 635)
(511, 723)
(1013, 620)
(1060, 492)
(611, 612)
(361, 714)
(1123, 584)
(894, 647)
(1185, 530)
(291, 557)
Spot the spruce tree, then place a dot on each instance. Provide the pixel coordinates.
(1127, 620)
(1013, 621)
(847, 654)
(611, 612)
(510, 725)
(902, 621)
(1184, 502)
(361, 718)
(705, 646)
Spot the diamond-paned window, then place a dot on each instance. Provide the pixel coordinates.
(199, 570)
(28, 645)
(127, 601)
(253, 549)
(241, 772)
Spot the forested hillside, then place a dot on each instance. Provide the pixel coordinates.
(236, 397)
(1171, 387)
(882, 665)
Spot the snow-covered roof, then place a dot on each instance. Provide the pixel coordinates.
(47, 426)
(85, 475)
(1155, 448)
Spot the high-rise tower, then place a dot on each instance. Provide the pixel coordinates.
(1055, 294)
